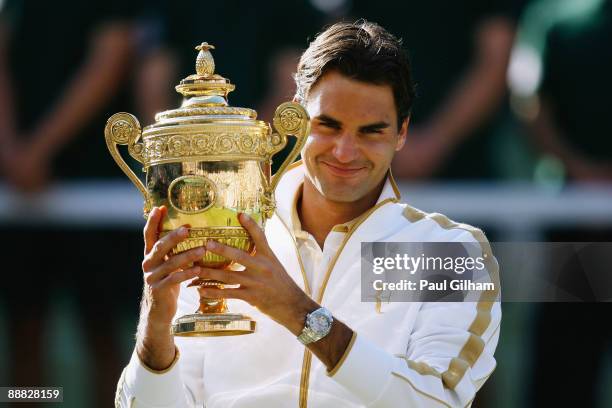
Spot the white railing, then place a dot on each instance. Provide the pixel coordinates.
(516, 211)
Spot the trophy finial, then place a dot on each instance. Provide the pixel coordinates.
(205, 64)
(205, 82)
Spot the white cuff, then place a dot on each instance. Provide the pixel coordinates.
(365, 370)
(157, 388)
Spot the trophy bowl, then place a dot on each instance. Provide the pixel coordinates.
(206, 162)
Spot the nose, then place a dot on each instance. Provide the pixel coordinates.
(346, 148)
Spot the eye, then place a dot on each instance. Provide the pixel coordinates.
(330, 125)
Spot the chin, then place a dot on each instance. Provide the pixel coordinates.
(341, 195)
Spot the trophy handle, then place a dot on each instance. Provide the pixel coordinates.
(124, 129)
(290, 118)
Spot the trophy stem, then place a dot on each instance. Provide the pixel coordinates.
(210, 305)
(212, 318)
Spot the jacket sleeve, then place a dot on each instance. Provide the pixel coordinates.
(179, 386)
(448, 358)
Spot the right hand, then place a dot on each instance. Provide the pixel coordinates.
(163, 273)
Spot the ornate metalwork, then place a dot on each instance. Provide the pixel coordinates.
(207, 162)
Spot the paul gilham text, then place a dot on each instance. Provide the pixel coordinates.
(424, 284)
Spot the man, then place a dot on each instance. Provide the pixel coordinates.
(355, 83)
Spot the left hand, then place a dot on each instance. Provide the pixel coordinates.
(422, 155)
(27, 169)
(265, 284)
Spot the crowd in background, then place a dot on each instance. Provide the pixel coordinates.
(506, 90)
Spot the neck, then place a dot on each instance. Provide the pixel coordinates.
(318, 215)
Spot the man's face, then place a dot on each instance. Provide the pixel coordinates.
(354, 135)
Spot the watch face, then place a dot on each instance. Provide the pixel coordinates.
(318, 322)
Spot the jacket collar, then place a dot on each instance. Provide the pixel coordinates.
(289, 190)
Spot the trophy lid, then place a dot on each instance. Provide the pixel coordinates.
(205, 81)
(205, 89)
(205, 127)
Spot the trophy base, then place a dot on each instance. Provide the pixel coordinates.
(213, 324)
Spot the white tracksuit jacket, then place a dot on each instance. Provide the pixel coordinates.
(402, 354)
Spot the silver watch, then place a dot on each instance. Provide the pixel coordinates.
(318, 324)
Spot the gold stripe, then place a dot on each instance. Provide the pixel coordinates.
(423, 368)
(307, 358)
(412, 214)
(421, 392)
(306, 366)
(305, 378)
(419, 366)
(474, 346)
(426, 371)
(344, 356)
(299, 257)
(472, 349)
(396, 189)
(165, 370)
(354, 227)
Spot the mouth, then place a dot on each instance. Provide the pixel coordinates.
(342, 171)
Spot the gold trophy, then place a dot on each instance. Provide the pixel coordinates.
(206, 162)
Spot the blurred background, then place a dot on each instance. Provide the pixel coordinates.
(511, 132)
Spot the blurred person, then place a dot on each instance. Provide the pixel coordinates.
(246, 34)
(63, 65)
(571, 120)
(355, 82)
(57, 83)
(461, 52)
(281, 88)
(261, 68)
(568, 118)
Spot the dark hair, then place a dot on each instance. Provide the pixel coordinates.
(363, 51)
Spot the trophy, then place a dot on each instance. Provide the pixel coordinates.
(207, 162)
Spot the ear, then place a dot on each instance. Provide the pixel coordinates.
(403, 133)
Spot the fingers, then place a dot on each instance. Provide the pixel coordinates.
(180, 261)
(212, 292)
(232, 253)
(226, 276)
(181, 276)
(151, 229)
(162, 247)
(256, 233)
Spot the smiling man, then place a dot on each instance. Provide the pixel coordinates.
(303, 284)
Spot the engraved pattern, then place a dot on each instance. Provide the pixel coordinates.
(290, 119)
(202, 145)
(121, 131)
(247, 146)
(214, 110)
(234, 237)
(123, 128)
(192, 194)
(205, 64)
(135, 150)
(218, 232)
(178, 145)
(225, 143)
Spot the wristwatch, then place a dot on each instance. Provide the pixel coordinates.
(318, 324)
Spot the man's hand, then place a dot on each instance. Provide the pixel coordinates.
(264, 283)
(162, 278)
(26, 168)
(422, 155)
